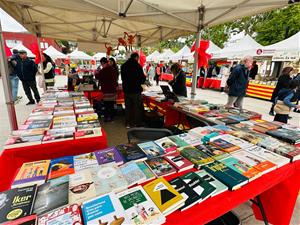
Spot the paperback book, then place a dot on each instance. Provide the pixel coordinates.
(224, 145)
(190, 139)
(48, 138)
(109, 155)
(85, 161)
(61, 166)
(151, 149)
(160, 166)
(212, 151)
(166, 144)
(87, 133)
(87, 117)
(132, 173)
(131, 152)
(179, 162)
(178, 141)
(23, 141)
(146, 170)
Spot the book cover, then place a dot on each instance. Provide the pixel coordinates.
(203, 188)
(109, 155)
(58, 137)
(88, 125)
(235, 141)
(190, 196)
(132, 173)
(289, 136)
(220, 187)
(87, 116)
(197, 157)
(241, 167)
(146, 170)
(51, 195)
(61, 130)
(22, 141)
(178, 141)
(104, 210)
(160, 166)
(131, 152)
(107, 178)
(226, 121)
(247, 136)
(238, 118)
(139, 208)
(290, 151)
(165, 197)
(178, 161)
(232, 179)
(81, 187)
(69, 214)
(224, 145)
(84, 110)
(151, 149)
(17, 203)
(86, 133)
(261, 164)
(212, 151)
(85, 161)
(24, 133)
(61, 166)
(166, 144)
(27, 220)
(190, 139)
(32, 173)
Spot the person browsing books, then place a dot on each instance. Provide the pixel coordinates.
(178, 83)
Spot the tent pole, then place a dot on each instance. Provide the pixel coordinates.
(201, 11)
(38, 35)
(6, 85)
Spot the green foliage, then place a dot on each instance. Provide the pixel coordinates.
(218, 34)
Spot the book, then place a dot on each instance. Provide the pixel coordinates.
(61, 166)
(48, 138)
(139, 208)
(109, 155)
(107, 178)
(164, 196)
(203, 188)
(17, 203)
(83, 126)
(36, 124)
(84, 110)
(160, 166)
(238, 118)
(232, 179)
(51, 195)
(212, 151)
(189, 194)
(146, 170)
(87, 117)
(105, 209)
(289, 136)
(131, 152)
(290, 151)
(132, 173)
(224, 145)
(151, 149)
(241, 167)
(81, 187)
(31, 132)
(235, 141)
(61, 130)
(261, 164)
(166, 144)
(27, 220)
(85, 161)
(269, 155)
(87, 133)
(22, 141)
(69, 214)
(251, 137)
(179, 162)
(32, 173)
(190, 139)
(220, 187)
(197, 157)
(226, 121)
(178, 141)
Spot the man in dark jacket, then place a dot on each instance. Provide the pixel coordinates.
(26, 70)
(253, 70)
(14, 80)
(132, 78)
(178, 84)
(237, 83)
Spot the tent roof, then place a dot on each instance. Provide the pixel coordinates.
(54, 53)
(290, 44)
(165, 56)
(99, 21)
(183, 53)
(99, 55)
(152, 55)
(20, 46)
(213, 47)
(79, 55)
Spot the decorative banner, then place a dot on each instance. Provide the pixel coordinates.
(203, 57)
(286, 56)
(36, 52)
(7, 51)
(142, 58)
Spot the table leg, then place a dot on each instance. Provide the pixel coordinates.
(261, 208)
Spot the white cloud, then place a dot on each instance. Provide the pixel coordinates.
(10, 24)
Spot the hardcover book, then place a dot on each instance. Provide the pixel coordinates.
(179, 162)
(85, 161)
(61, 166)
(139, 208)
(165, 197)
(166, 144)
(17, 203)
(109, 155)
(32, 173)
(132, 173)
(232, 179)
(160, 166)
(131, 152)
(146, 170)
(151, 149)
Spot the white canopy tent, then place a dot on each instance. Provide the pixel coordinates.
(213, 49)
(79, 55)
(183, 54)
(151, 57)
(164, 56)
(22, 47)
(99, 55)
(54, 53)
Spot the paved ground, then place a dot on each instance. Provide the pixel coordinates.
(117, 133)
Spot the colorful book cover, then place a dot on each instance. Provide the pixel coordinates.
(104, 210)
(160, 166)
(27, 220)
(132, 173)
(226, 121)
(109, 155)
(243, 168)
(17, 203)
(232, 179)
(131, 152)
(178, 141)
(165, 197)
(85, 161)
(86, 133)
(290, 136)
(166, 144)
(190, 139)
(87, 116)
(224, 145)
(203, 188)
(32, 173)
(235, 141)
(20, 141)
(212, 151)
(220, 187)
(58, 137)
(146, 170)
(189, 194)
(51, 195)
(179, 162)
(107, 178)
(289, 151)
(69, 214)
(196, 156)
(61, 166)
(81, 187)
(151, 149)
(139, 208)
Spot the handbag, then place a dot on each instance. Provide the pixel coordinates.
(281, 108)
(41, 82)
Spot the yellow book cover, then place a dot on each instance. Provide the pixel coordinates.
(165, 197)
(32, 173)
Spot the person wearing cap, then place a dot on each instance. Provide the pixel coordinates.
(26, 70)
(13, 77)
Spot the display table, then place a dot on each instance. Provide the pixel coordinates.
(212, 83)
(98, 95)
(12, 159)
(152, 103)
(166, 76)
(261, 91)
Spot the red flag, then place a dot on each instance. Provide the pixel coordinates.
(7, 51)
(142, 58)
(36, 52)
(203, 57)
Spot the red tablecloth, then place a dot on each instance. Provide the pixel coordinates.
(98, 95)
(200, 82)
(166, 76)
(212, 83)
(12, 159)
(152, 103)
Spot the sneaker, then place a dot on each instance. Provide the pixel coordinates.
(31, 103)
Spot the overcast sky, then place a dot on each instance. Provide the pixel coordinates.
(10, 24)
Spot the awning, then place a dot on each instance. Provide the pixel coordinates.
(54, 53)
(22, 47)
(79, 55)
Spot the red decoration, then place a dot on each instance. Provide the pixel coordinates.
(142, 58)
(130, 40)
(7, 51)
(122, 42)
(35, 50)
(203, 57)
(109, 49)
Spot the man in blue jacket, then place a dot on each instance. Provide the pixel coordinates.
(237, 83)
(26, 70)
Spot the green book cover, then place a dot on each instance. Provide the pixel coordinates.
(148, 173)
(179, 142)
(196, 156)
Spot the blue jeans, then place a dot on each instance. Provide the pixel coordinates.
(14, 82)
